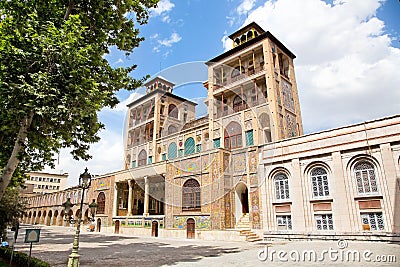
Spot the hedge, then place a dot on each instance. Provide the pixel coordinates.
(21, 259)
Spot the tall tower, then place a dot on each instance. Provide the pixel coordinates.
(153, 116)
(252, 90)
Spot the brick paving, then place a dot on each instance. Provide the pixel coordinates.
(98, 249)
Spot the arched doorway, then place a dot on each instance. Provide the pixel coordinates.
(190, 228)
(49, 217)
(154, 228)
(55, 218)
(98, 225)
(242, 200)
(116, 229)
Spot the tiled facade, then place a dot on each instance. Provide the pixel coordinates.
(247, 165)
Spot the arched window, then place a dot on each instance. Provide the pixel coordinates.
(189, 146)
(172, 129)
(233, 135)
(191, 195)
(172, 151)
(238, 104)
(101, 203)
(365, 175)
(173, 111)
(281, 186)
(142, 158)
(319, 179)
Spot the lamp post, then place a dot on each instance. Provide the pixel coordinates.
(67, 207)
(84, 183)
(92, 207)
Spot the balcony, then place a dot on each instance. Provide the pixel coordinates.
(245, 73)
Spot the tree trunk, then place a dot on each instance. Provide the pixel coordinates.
(69, 9)
(13, 161)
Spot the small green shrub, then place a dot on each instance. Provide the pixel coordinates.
(21, 259)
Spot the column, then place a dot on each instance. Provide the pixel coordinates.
(130, 186)
(146, 196)
(115, 201)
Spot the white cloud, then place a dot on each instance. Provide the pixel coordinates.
(166, 19)
(162, 7)
(107, 157)
(346, 68)
(245, 6)
(154, 36)
(174, 38)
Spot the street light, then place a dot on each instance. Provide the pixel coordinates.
(93, 207)
(67, 207)
(84, 183)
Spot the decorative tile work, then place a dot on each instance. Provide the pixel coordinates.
(248, 125)
(253, 180)
(202, 222)
(239, 163)
(255, 209)
(215, 215)
(228, 211)
(253, 161)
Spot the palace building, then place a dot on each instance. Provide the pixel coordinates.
(246, 170)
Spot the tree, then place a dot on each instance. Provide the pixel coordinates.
(11, 209)
(54, 78)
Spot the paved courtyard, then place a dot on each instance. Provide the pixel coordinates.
(97, 249)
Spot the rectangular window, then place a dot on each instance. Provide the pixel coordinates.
(180, 152)
(372, 221)
(217, 143)
(134, 164)
(164, 157)
(249, 138)
(324, 222)
(150, 161)
(198, 148)
(284, 222)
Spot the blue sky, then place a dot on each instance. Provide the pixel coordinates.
(348, 52)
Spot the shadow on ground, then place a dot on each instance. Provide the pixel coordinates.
(120, 250)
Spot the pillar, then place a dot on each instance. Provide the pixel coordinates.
(130, 186)
(115, 201)
(146, 196)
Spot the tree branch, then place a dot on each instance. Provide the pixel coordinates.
(69, 9)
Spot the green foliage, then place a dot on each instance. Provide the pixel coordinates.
(11, 209)
(52, 66)
(21, 259)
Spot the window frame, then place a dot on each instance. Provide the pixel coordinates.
(321, 180)
(360, 174)
(328, 218)
(278, 187)
(191, 195)
(367, 216)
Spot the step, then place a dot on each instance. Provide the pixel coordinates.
(254, 239)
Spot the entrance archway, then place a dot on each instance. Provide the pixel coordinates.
(190, 228)
(154, 228)
(98, 224)
(116, 228)
(242, 200)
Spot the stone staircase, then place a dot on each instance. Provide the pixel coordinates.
(243, 226)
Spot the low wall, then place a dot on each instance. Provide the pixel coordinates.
(227, 235)
(379, 236)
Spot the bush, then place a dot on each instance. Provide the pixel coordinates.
(21, 259)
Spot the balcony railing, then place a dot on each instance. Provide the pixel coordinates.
(245, 73)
